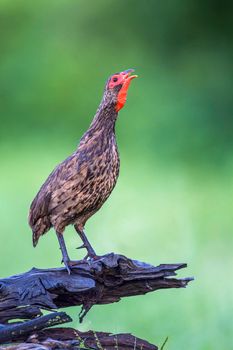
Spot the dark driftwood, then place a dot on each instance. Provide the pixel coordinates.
(101, 281)
(21, 330)
(68, 338)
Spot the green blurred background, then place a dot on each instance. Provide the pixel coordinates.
(174, 198)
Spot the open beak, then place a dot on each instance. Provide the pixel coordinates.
(127, 76)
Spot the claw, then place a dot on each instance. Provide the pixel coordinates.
(66, 263)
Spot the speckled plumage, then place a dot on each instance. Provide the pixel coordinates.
(79, 186)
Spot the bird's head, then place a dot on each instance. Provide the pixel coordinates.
(117, 88)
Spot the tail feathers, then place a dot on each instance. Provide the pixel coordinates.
(35, 238)
(40, 228)
(39, 216)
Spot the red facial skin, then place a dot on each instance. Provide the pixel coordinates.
(124, 79)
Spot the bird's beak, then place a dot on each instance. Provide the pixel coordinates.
(127, 75)
(127, 79)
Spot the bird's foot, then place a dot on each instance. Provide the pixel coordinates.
(68, 264)
(91, 254)
(67, 267)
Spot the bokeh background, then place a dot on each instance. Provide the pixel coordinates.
(174, 198)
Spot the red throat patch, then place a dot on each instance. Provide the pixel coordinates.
(122, 95)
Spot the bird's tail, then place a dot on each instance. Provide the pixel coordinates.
(35, 238)
(38, 217)
(40, 228)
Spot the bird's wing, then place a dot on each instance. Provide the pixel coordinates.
(40, 205)
(71, 186)
(67, 178)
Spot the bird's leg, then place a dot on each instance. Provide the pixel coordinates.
(65, 256)
(86, 244)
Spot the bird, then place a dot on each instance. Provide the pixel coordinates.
(78, 187)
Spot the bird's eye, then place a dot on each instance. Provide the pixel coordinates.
(115, 79)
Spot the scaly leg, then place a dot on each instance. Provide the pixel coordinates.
(86, 244)
(65, 256)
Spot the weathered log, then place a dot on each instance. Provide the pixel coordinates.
(69, 338)
(21, 330)
(101, 281)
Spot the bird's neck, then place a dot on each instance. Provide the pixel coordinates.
(105, 119)
(102, 128)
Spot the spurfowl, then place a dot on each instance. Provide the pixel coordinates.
(79, 186)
